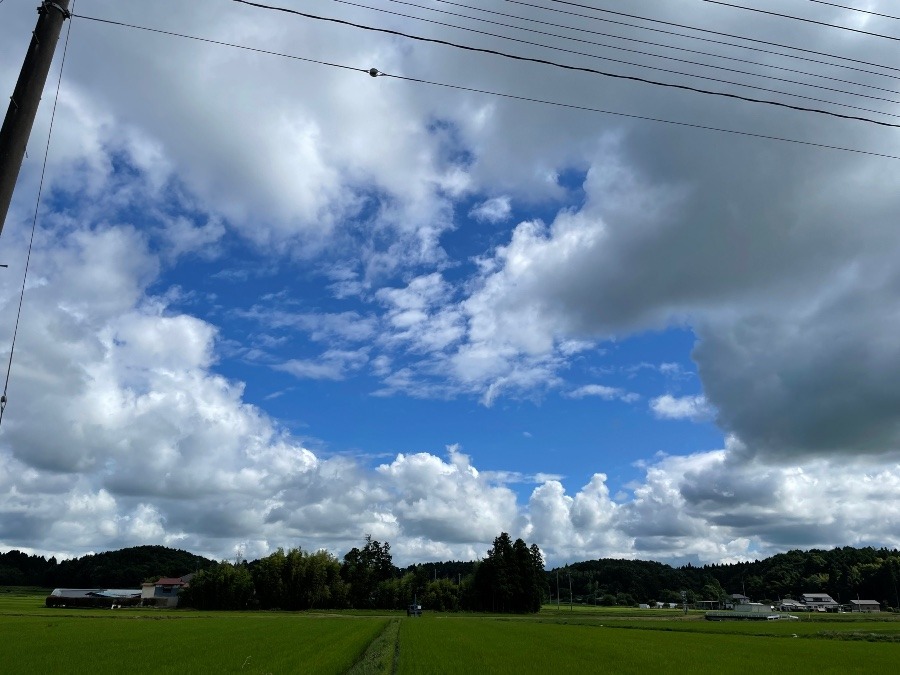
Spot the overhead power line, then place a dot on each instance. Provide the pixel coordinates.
(214, 42)
(855, 9)
(748, 47)
(646, 118)
(713, 32)
(614, 60)
(594, 71)
(803, 19)
(374, 72)
(625, 49)
(670, 46)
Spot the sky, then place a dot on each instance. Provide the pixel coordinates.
(273, 302)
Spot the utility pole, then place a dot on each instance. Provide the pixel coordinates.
(557, 590)
(26, 97)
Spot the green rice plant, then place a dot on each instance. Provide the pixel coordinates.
(491, 646)
(112, 642)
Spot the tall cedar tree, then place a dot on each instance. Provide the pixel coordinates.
(511, 578)
(364, 569)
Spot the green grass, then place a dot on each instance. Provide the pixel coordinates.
(381, 655)
(444, 645)
(34, 638)
(41, 640)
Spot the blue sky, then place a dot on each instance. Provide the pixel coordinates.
(276, 303)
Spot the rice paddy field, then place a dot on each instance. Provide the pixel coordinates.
(34, 638)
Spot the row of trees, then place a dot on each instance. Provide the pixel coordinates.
(366, 577)
(510, 579)
(844, 573)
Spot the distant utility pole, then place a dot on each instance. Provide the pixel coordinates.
(26, 97)
(557, 590)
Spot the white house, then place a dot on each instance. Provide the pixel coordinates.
(819, 601)
(164, 592)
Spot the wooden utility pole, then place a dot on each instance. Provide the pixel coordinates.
(26, 97)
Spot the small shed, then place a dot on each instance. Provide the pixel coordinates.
(864, 606)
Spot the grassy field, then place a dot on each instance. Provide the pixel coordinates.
(459, 646)
(586, 640)
(41, 640)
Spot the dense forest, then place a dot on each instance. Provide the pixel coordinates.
(511, 578)
(126, 568)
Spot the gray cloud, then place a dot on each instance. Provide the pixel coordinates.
(781, 258)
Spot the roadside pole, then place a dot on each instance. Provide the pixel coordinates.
(26, 97)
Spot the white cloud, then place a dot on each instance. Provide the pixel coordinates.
(604, 392)
(333, 364)
(669, 407)
(495, 210)
(448, 501)
(781, 260)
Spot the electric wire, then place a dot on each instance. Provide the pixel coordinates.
(215, 42)
(374, 72)
(856, 9)
(602, 73)
(761, 50)
(670, 71)
(691, 125)
(12, 348)
(711, 32)
(803, 19)
(675, 47)
(626, 49)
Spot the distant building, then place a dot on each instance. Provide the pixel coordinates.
(746, 611)
(739, 599)
(93, 597)
(819, 602)
(864, 606)
(164, 592)
(788, 605)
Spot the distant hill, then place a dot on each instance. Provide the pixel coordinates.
(126, 568)
(844, 573)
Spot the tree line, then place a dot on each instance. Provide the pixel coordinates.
(367, 577)
(844, 573)
(125, 568)
(508, 580)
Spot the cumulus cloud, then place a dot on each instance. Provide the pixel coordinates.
(448, 501)
(780, 259)
(669, 407)
(493, 210)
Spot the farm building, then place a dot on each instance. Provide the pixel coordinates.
(163, 592)
(864, 606)
(93, 597)
(746, 611)
(819, 601)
